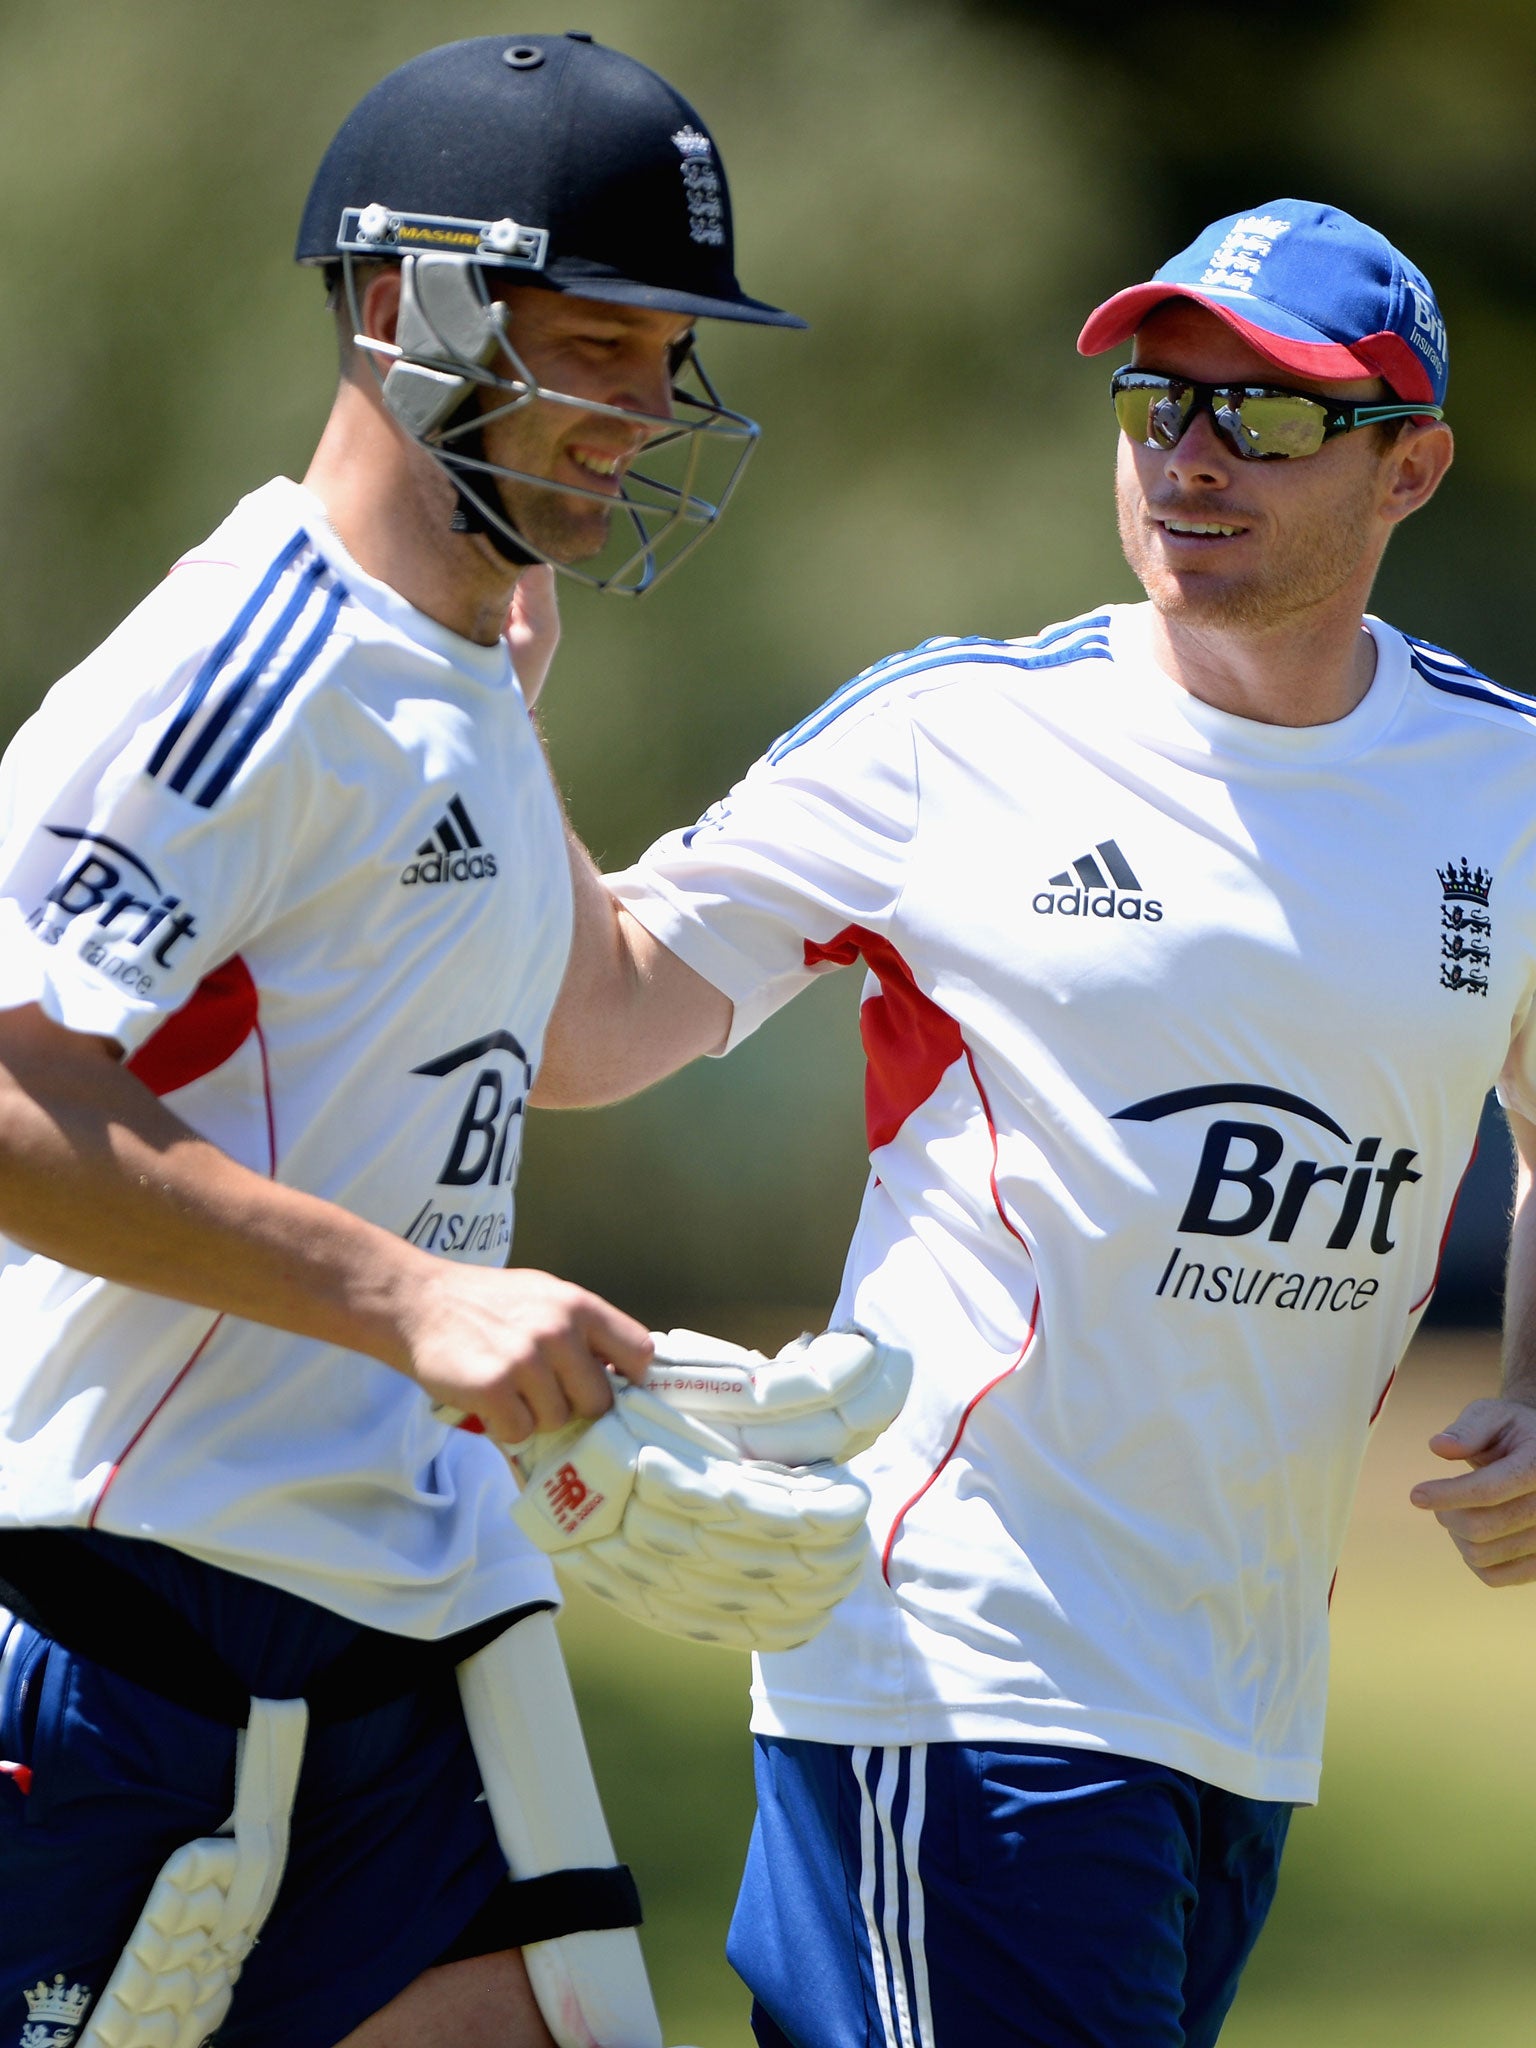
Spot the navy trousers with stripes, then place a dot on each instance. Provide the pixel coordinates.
(950, 1896)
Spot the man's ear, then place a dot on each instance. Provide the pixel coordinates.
(380, 306)
(1416, 462)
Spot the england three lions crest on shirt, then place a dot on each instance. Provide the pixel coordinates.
(1466, 938)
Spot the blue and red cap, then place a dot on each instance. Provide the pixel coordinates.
(1310, 288)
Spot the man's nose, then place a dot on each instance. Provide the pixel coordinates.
(647, 387)
(1200, 457)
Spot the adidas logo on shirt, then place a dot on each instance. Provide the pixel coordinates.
(1098, 884)
(452, 851)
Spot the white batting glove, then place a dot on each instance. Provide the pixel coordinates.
(825, 1397)
(660, 1515)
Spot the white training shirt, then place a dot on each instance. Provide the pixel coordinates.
(294, 846)
(1178, 1026)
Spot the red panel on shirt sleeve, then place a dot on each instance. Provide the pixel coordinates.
(209, 1028)
(909, 1042)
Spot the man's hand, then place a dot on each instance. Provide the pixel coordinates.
(1489, 1512)
(521, 1351)
(533, 629)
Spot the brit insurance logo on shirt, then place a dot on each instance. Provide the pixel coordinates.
(1098, 884)
(483, 1088)
(452, 851)
(1272, 1221)
(133, 924)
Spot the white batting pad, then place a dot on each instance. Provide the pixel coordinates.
(592, 1987)
(173, 1983)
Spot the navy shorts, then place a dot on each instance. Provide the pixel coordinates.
(946, 1896)
(392, 1855)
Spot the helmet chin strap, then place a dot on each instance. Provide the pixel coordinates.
(467, 515)
(468, 518)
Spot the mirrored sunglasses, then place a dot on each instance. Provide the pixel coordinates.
(1257, 421)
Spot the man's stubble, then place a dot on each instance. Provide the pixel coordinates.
(1304, 567)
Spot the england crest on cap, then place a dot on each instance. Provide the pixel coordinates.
(1309, 287)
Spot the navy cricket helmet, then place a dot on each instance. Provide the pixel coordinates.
(554, 162)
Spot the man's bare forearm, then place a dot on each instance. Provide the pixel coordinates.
(630, 1012)
(97, 1173)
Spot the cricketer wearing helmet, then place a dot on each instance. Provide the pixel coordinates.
(1161, 1164)
(583, 239)
(284, 907)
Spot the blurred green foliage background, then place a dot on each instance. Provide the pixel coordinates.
(944, 188)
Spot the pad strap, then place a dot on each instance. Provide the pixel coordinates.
(574, 1902)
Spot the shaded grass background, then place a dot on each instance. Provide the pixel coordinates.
(1407, 1907)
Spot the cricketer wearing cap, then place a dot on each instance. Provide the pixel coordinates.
(284, 906)
(1164, 1138)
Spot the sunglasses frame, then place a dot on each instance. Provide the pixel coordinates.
(1339, 416)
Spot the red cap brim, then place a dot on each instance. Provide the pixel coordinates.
(1386, 356)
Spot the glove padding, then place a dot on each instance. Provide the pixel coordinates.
(659, 1514)
(820, 1397)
